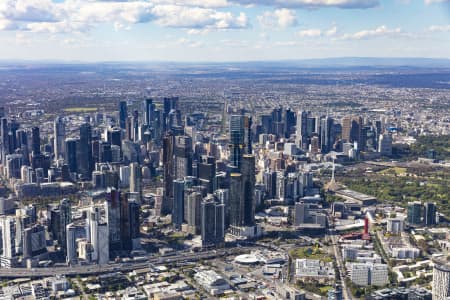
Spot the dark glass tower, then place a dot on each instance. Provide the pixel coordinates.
(123, 113)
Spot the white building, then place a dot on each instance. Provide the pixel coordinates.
(441, 281)
(367, 274)
(405, 253)
(212, 282)
(313, 268)
(395, 225)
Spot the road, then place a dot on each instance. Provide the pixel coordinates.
(115, 267)
(340, 265)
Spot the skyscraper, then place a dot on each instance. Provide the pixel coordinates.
(123, 113)
(326, 134)
(168, 164)
(352, 129)
(183, 156)
(178, 203)
(112, 212)
(236, 200)
(65, 218)
(135, 179)
(213, 222)
(71, 154)
(71, 244)
(302, 128)
(414, 213)
(441, 280)
(248, 192)
(240, 138)
(59, 131)
(7, 259)
(84, 152)
(35, 141)
(429, 215)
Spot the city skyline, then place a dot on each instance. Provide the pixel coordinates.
(222, 30)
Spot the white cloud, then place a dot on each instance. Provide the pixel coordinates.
(309, 33)
(381, 31)
(346, 4)
(428, 2)
(439, 28)
(281, 18)
(197, 18)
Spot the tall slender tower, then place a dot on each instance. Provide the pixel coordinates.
(59, 131)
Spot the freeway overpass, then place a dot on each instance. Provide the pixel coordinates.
(115, 267)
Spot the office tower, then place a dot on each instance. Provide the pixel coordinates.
(429, 216)
(22, 144)
(289, 121)
(123, 114)
(84, 152)
(168, 164)
(170, 104)
(326, 134)
(34, 242)
(71, 244)
(13, 127)
(314, 146)
(5, 138)
(352, 130)
(223, 197)
(35, 141)
(213, 222)
(98, 236)
(385, 144)
(240, 138)
(135, 126)
(114, 136)
(65, 218)
(148, 111)
(193, 212)
(178, 203)
(441, 280)
(71, 154)
(135, 179)
(125, 234)
(105, 153)
(112, 215)
(183, 156)
(206, 171)
(8, 241)
(302, 130)
(266, 124)
(301, 214)
(414, 212)
(133, 211)
(236, 200)
(248, 177)
(59, 132)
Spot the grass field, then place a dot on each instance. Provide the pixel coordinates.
(310, 253)
(80, 109)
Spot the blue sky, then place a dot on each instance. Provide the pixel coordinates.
(222, 30)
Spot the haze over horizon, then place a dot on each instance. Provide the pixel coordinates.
(222, 30)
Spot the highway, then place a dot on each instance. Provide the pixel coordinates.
(115, 267)
(340, 265)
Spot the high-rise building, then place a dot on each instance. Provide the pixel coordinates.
(168, 164)
(59, 131)
(240, 138)
(182, 156)
(7, 259)
(206, 171)
(148, 111)
(326, 134)
(385, 144)
(213, 222)
(84, 152)
(178, 203)
(236, 200)
(302, 130)
(65, 218)
(335, 293)
(352, 130)
(133, 211)
(193, 212)
(429, 214)
(71, 154)
(441, 280)
(123, 114)
(135, 179)
(34, 242)
(71, 245)
(98, 236)
(112, 214)
(248, 184)
(414, 212)
(35, 141)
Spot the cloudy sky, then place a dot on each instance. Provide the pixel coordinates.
(222, 30)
